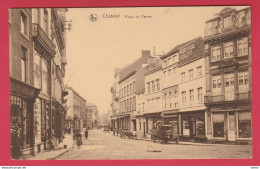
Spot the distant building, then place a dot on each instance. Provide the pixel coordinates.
(92, 116)
(76, 110)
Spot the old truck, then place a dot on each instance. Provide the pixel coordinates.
(165, 133)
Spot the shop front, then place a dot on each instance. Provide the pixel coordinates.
(152, 121)
(172, 118)
(193, 126)
(232, 125)
(22, 98)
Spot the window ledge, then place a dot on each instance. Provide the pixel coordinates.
(24, 35)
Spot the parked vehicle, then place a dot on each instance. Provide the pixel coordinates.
(164, 133)
(106, 129)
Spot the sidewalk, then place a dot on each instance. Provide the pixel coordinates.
(59, 150)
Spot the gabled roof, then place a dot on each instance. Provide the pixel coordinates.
(178, 47)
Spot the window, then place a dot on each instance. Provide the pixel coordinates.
(169, 61)
(200, 95)
(165, 101)
(199, 71)
(158, 84)
(148, 87)
(191, 74)
(175, 71)
(169, 72)
(242, 46)
(227, 82)
(164, 73)
(24, 24)
(45, 22)
(127, 89)
(37, 70)
(130, 105)
(218, 125)
(153, 86)
(243, 82)
(134, 103)
(45, 81)
(244, 125)
(164, 63)
(183, 98)
(227, 22)
(228, 50)
(131, 89)
(127, 105)
(133, 86)
(183, 76)
(215, 53)
(23, 64)
(191, 97)
(219, 83)
(124, 91)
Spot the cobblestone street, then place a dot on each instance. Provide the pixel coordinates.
(102, 145)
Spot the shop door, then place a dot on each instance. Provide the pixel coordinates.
(229, 87)
(231, 127)
(192, 127)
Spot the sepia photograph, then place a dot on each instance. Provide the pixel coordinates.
(127, 83)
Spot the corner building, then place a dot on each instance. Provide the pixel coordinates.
(228, 76)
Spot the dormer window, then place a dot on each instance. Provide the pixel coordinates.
(227, 22)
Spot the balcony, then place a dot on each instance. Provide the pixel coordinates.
(214, 99)
(243, 96)
(116, 96)
(41, 38)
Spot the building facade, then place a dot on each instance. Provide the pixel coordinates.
(37, 70)
(153, 96)
(228, 76)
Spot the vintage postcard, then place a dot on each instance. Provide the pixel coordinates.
(130, 83)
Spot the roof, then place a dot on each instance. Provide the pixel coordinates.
(178, 47)
(70, 88)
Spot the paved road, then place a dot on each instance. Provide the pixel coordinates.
(102, 145)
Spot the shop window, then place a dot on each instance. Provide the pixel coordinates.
(200, 126)
(228, 50)
(242, 46)
(215, 53)
(218, 125)
(37, 120)
(244, 125)
(186, 126)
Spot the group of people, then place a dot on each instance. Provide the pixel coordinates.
(78, 137)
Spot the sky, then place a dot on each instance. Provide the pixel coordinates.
(95, 49)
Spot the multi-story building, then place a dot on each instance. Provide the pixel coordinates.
(153, 96)
(130, 78)
(140, 109)
(192, 88)
(76, 110)
(183, 86)
(92, 116)
(37, 69)
(22, 90)
(228, 75)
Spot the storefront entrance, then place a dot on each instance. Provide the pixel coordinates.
(231, 126)
(193, 125)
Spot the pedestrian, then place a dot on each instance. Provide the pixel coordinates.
(77, 136)
(86, 133)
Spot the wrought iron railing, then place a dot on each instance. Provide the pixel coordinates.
(43, 39)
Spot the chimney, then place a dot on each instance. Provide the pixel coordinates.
(145, 56)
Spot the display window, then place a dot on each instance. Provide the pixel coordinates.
(244, 125)
(218, 125)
